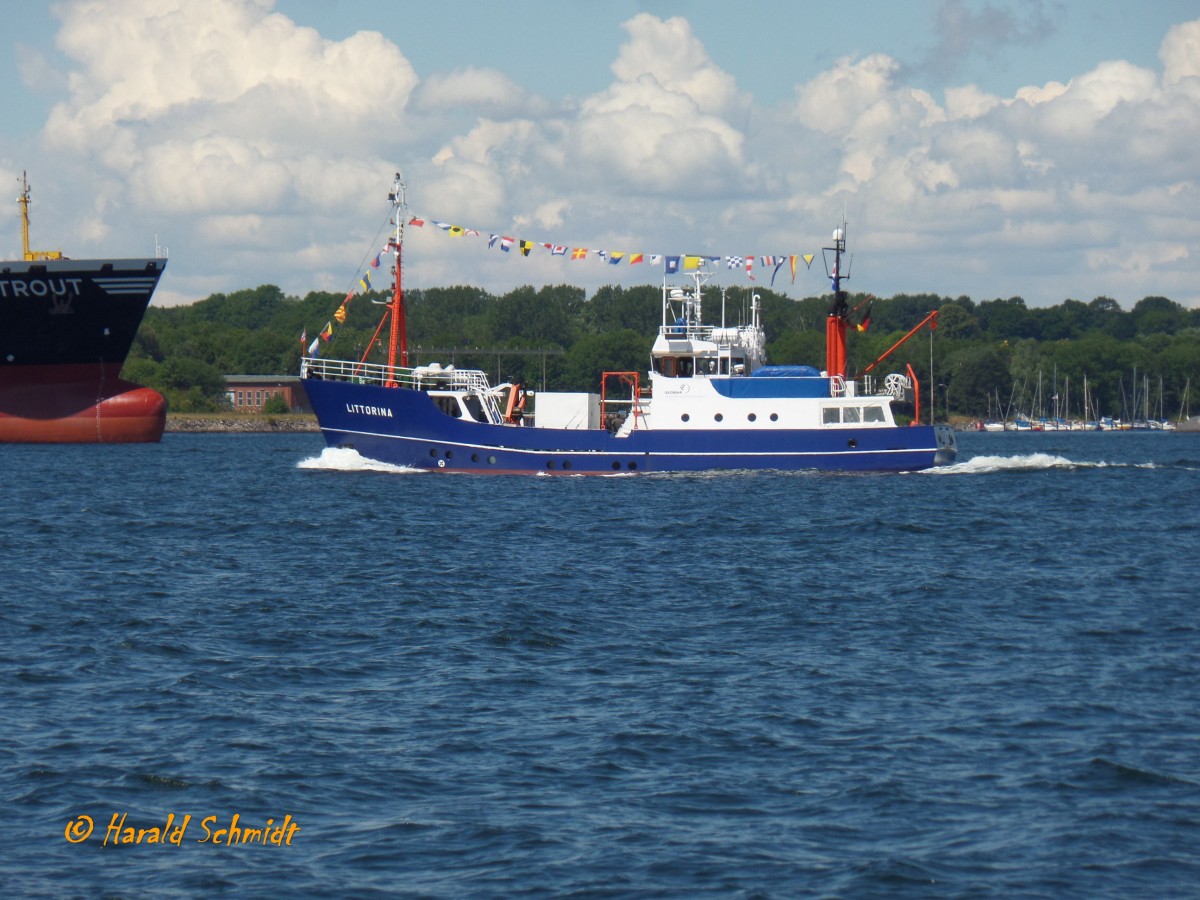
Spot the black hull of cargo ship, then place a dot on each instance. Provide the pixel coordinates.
(67, 327)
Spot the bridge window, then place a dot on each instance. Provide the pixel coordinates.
(474, 408)
(449, 405)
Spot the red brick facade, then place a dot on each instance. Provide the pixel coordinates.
(248, 393)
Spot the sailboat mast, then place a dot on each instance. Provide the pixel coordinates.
(398, 336)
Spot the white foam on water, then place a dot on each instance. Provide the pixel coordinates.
(1029, 462)
(343, 459)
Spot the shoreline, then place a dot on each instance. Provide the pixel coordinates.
(245, 424)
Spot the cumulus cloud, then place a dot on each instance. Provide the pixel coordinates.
(668, 53)
(214, 105)
(1180, 53)
(1056, 165)
(483, 91)
(269, 148)
(658, 130)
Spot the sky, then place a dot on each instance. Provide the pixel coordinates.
(988, 148)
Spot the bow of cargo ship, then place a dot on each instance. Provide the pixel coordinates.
(69, 325)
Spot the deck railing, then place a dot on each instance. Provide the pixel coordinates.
(418, 377)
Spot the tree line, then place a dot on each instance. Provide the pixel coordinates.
(984, 355)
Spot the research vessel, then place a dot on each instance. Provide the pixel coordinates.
(708, 400)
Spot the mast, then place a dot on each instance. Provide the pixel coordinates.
(23, 201)
(398, 337)
(835, 322)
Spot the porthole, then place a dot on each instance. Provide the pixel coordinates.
(774, 417)
(449, 454)
(752, 418)
(566, 464)
(632, 466)
(718, 418)
(852, 443)
(491, 460)
(474, 457)
(433, 451)
(549, 464)
(616, 464)
(685, 418)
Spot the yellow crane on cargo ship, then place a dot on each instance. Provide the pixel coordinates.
(24, 201)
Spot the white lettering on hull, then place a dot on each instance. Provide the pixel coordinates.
(11, 288)
(360, 410)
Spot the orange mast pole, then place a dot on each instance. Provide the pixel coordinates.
(912, 376)
(398, 336)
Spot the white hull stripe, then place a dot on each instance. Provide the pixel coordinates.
(140, 284)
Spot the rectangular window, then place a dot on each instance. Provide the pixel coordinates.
(852, 414)
(830, 416)
(873, 414)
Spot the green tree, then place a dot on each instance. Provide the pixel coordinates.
(976, 376)
(1157, 315)
(1108, 317)
(1005, 319)
(594, 354)
(955, 322)
(799, 348)
(276, 405)
(614, 308)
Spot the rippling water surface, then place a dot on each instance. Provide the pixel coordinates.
(982, 681)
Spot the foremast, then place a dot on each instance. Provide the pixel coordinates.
(398, 335)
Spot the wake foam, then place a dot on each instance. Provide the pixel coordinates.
(1030, 462)
(341, 459)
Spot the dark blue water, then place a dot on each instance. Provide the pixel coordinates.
(977, 682)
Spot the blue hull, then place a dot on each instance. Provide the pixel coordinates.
(405, 428)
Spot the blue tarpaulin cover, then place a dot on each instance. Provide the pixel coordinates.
(786, 372)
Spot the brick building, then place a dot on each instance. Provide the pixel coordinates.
(248, 393)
